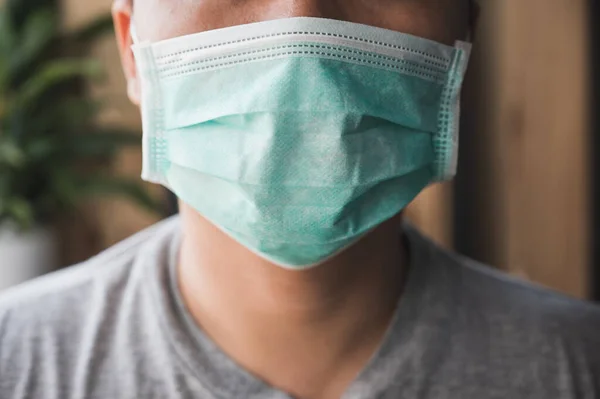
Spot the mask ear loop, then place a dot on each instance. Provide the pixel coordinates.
(133, 33)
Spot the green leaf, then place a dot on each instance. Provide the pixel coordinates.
(66, 115)
(103, 142)
(7, 44)
(51, 149)
(115, 186)
(7, 33)
(52, 74)
(40, 149)
(38, 32)
(19, 211)
(11, 154)
(4, 185)
(98, 27)
(64, 185)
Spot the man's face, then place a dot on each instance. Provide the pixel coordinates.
(440, 20)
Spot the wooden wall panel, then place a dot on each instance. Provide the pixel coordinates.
(538, 150)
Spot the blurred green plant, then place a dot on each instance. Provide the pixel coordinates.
(52, 152)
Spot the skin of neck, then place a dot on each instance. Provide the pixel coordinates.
(310, 332)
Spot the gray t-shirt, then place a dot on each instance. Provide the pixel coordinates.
(115, 327)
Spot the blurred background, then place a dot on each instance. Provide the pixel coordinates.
(524, 200)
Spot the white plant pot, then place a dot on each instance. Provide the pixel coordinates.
(26, 255)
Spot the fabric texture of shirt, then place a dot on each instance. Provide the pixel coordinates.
(116, 327)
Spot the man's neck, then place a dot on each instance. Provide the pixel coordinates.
(308, 333)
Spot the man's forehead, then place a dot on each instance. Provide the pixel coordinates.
(441, 20)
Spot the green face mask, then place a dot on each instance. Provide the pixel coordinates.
(296, 137)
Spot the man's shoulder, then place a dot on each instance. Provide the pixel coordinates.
(53, 327)
(521, 296)
(520, 310)
(524, 334)
(474, 286)
(62, 298)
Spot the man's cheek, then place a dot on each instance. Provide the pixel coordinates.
(158, 20)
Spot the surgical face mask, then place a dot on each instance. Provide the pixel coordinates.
(297, 137)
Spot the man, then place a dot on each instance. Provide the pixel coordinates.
(294, 132)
